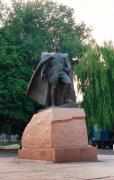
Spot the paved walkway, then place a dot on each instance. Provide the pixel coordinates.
(11, 168)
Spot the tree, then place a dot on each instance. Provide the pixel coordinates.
(14, 73)
(27, 31)
(96, 76)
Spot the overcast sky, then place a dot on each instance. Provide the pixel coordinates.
(96, 13)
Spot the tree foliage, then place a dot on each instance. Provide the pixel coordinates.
(96, 76)
(26, 31)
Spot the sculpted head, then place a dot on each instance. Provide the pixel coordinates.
(56, 45)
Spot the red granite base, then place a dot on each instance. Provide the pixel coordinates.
(60, 154)
(58, 135)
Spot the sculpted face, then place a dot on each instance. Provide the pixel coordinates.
(56, 46)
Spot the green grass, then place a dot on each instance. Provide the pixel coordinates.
(9, 143)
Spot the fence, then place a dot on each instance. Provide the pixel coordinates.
(4, 137)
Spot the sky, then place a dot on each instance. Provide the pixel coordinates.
(97, 14)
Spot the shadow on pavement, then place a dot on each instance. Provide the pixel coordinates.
(6, 154)
(105, 152)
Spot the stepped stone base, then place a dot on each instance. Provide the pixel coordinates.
(58, 135)
(60, 155)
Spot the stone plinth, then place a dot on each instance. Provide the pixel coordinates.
(58, 135)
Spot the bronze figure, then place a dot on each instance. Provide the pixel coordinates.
(51, 82)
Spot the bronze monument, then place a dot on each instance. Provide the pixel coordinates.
(51, 83)
(55, 134)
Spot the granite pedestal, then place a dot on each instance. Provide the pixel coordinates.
(58, 135)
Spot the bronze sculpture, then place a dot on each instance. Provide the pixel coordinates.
(51, 83)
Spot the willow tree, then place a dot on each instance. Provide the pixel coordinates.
(96, 80)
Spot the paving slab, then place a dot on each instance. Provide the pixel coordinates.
(12, 168)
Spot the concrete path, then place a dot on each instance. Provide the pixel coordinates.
(12, 168)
